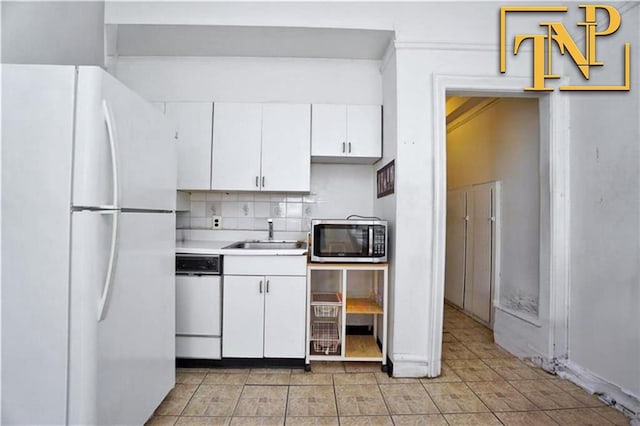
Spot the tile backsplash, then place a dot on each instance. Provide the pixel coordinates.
(337, 191)
(249, 210)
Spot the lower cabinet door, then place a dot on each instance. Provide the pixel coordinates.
(242, 316)
(284, 317)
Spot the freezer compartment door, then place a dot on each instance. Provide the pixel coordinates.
(125, 155)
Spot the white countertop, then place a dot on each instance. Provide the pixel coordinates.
(201, 246)
(217, 247)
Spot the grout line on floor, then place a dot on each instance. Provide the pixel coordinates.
(335, 394)
(190, 398)
(486, 355)
(237, 402)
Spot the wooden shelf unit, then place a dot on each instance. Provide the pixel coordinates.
(370, 347)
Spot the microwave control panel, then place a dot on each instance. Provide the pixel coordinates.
(379, 242)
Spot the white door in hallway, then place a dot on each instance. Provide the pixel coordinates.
(455, 247)
(470, 266)
(480, 259)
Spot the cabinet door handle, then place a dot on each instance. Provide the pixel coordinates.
(343, 147)
(257, 182)
(260, 286)
(267, 286)
(349, 147)
(263, 181)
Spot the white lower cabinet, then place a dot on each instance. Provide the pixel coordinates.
(264, 315)
(284, 317)
(243, 316)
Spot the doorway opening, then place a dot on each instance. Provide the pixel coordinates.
(543, 337)
(492, 253)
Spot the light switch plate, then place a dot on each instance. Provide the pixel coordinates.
(216, 222)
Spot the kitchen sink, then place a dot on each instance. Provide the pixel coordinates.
(268, 245)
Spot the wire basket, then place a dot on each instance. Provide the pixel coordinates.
(326, 311)
(326, 305)
(325, 337)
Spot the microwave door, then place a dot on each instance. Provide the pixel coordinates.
(343, 241)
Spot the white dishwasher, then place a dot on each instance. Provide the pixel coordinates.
(198, 306)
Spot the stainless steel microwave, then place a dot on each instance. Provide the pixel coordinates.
(347, 240)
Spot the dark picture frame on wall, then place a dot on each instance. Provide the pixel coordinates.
(386, 179)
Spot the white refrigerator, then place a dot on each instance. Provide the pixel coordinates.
(88, 249)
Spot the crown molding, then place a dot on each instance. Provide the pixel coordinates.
(431, 45)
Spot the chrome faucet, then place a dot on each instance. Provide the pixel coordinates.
(270, 223)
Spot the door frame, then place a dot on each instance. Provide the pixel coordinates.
(554, 200)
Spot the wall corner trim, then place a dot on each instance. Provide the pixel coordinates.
(409, 365)
(388, 54)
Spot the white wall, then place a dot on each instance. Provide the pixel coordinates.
(252, 79)
(424, 30)
(604, 332)
(595, 271)
(414, 21)
(53, 32)
(385, 207)
(502, 143)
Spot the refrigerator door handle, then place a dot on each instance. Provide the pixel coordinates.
(108, 118)
(103, 303)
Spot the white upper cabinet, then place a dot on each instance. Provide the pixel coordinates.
(193, 134)
(237, 132)
(261, 147)
(346, 133)
(364, 131)
(286, 148)
(328, 131)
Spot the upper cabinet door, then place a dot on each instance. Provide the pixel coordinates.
(346, 133)
(237, 132)
(193, 131)
(364, 131)
(329, 130)
(286, 146)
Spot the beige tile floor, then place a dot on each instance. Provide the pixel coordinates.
(480, 385)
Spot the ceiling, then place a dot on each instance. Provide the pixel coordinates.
(202, 40)
(460, 109)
